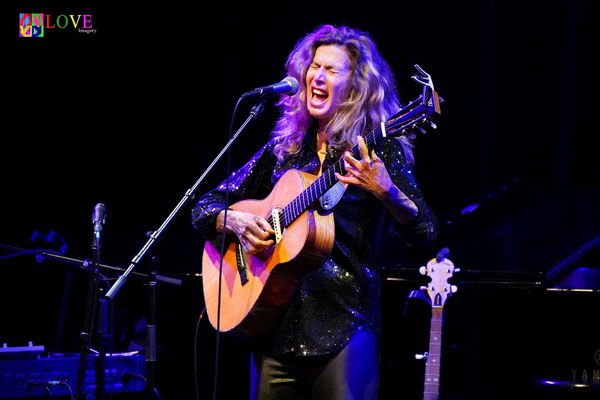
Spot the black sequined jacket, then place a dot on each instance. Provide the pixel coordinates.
(341, 297)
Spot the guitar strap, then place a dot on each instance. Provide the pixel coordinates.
(331, 197)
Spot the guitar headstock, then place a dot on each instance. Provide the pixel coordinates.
(419, 112)
(440, 269)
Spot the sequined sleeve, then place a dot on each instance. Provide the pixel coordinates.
(252, 181)
(424, 229)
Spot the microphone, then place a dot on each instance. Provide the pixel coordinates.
(99, 217)
(287, 86)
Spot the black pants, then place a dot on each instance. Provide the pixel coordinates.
(351, 374)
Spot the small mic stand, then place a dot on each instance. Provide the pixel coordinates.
(93, 267)
(86, 334)
(256, 110)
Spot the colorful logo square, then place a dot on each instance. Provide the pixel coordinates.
(31, 25)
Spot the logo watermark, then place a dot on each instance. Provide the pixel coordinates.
(36, 25)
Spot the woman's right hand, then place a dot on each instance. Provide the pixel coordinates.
(250, 229)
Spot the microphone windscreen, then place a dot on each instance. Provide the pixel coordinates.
(293, 83)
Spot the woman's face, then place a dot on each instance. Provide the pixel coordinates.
(327, 81)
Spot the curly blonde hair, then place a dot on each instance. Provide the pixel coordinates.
(373, 96)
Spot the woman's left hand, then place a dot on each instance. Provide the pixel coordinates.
(368, 173)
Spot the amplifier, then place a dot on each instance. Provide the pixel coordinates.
(57, 375)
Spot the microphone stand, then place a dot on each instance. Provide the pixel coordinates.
(256, 110)
(86, 334)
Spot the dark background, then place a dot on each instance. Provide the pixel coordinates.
(132, 115)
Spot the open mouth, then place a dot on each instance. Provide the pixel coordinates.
(319, 96)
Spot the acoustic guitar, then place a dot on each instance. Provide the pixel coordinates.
(247, 292)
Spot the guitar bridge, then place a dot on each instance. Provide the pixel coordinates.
(240, 258)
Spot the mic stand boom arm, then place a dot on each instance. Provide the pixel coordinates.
(84, 264)
(153, 237)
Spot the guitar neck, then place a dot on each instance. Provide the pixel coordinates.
(432, 367)
(413, 114)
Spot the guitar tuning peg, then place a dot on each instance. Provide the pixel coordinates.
(453, 289)
(423, 270)
(423, 356)
(456, 269)
(432, 125)
(423, 131)
(423, 288)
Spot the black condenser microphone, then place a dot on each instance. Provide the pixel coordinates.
(287, 86)
(99, 216)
